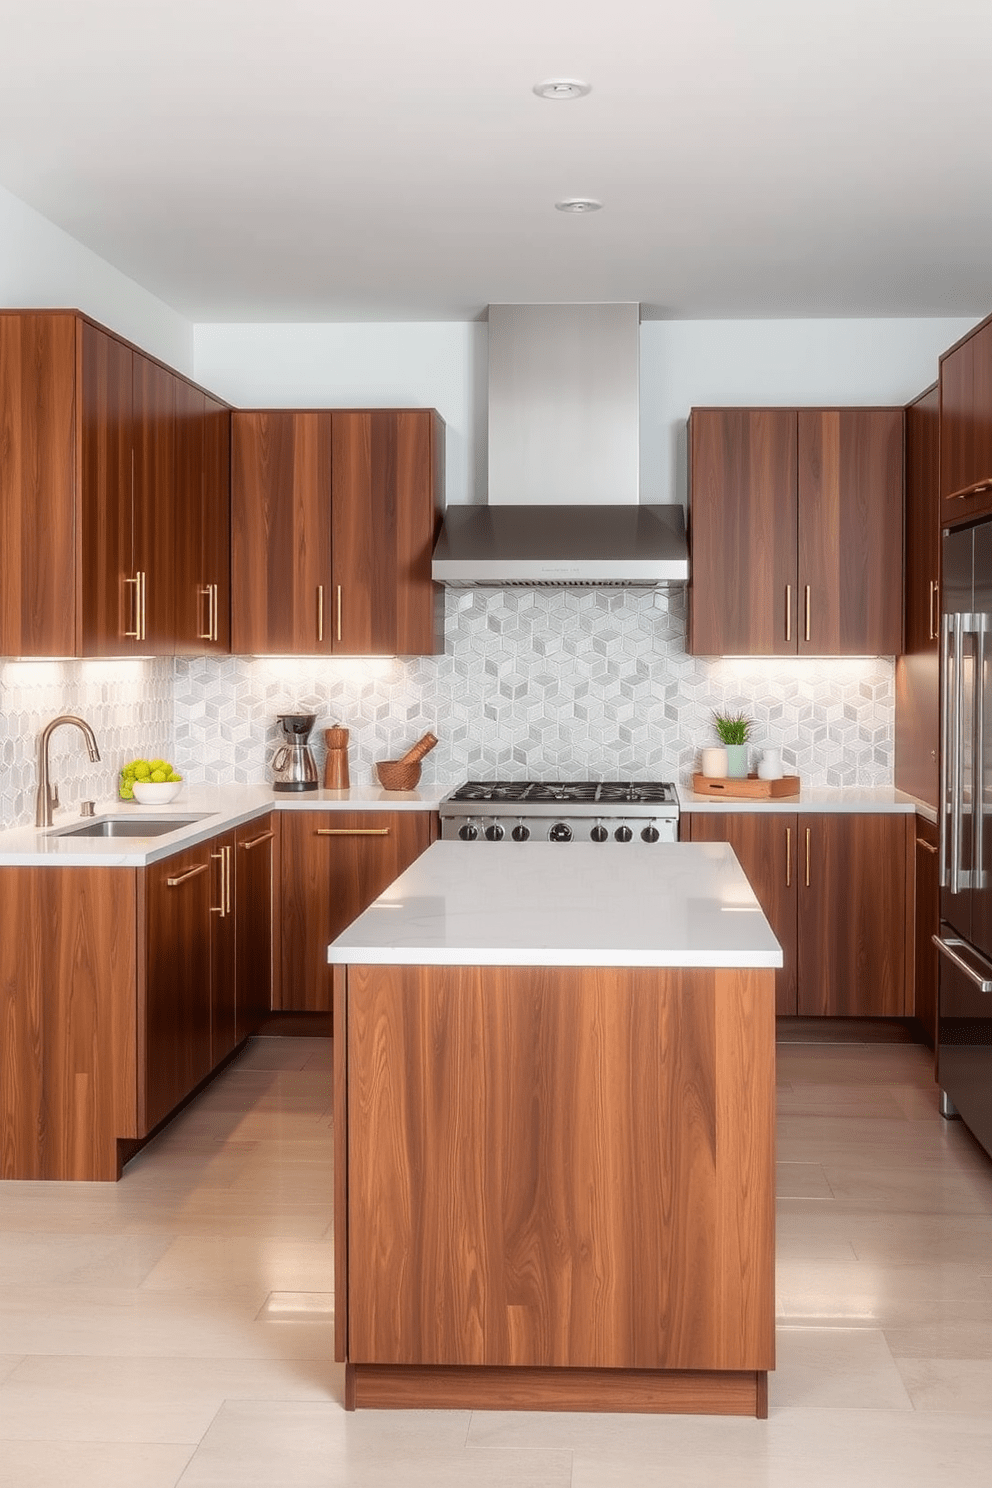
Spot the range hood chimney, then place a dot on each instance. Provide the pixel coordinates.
(563, 507)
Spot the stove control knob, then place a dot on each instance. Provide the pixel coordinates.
(623, 834)
(494, 832)
(599, 833)
(650, 833)
(468, 832)
(520, 833)
(560, 832)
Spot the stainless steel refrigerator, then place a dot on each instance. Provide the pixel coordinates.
(964, 1022)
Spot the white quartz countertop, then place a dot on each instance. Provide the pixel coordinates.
(848, 798)
(217, 808)
(548, 904)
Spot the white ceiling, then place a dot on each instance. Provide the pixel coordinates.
(252, 160)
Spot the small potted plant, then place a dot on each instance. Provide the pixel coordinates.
(733, 730)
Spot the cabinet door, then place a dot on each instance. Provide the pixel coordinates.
(223, 949)
(37, 485)
(333, 865)
(175, 1031)
(965, 383)
(850, 531)
(926, 924)
(109, 590)
(215, 529)
(192, 603)
(918, 669)
(154, 435)
(766, 845)
(254, 882)
(385, 512)
(852, 914)
(281, 533)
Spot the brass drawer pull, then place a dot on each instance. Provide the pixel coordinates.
(975, 489)
(922, 842)
(190, 873)
(807, 611)
(220, 908)
(257, 841)
(788, 612)
(788, 857)
(353, 831)
(135, 634)
(807, 857)
(320, 612)
(339, 612)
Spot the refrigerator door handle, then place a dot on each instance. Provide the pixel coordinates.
(955, 707)
(981, 975)
(978, 876)
(943, 844)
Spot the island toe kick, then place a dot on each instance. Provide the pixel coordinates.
(554, 1187)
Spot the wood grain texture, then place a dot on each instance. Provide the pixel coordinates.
(767, 849)
(917, 719)
(853, 915)
(743, 531)
(174, 995)
(216, 518)
(850, 530)
(67, 1021)
(105, 553)
(926, 923)
(190, 613)
(280, 532)
(154, 445)
(397, 1387)
(328, 881)
(965, 397)
(563, 1168)
(255, 863)
(37, 485)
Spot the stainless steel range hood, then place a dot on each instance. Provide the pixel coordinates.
(563, 508)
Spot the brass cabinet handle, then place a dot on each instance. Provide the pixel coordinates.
(807, 605)
(257, 841)
(220, 908)
(788, 612)
(934, 624)
(807, 857)
(339, 612)
(174, 883)
(788, 857)
(353, 831)
(135, 634)
(229, 876)
(922, 842)
(206, 591)
(320, 612)
(975, 489)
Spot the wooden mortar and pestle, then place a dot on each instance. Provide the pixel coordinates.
(404, 774)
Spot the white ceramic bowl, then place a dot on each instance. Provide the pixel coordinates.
(156, 792)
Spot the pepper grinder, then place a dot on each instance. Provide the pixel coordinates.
(336, 764)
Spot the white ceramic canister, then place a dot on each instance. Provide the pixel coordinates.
(713, 762)
(770, 765)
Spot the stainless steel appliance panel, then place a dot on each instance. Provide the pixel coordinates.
(981, 906)
(964, 1034)
(957, 729)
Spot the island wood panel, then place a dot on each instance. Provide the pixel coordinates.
(67, 1021)
(37, 485)
(852, 914)
(917, 719)
(965, 384)
(108, 598)
(281, 532)
(153, 504)
(766, 844)
(255, 881)
(850, 531)
(560, 1167)
(743, 531)
(334, 863)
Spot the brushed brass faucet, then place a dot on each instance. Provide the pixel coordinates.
(48, 793)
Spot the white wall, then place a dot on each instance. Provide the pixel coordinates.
(438, 364)
(42, 267)
(683, 363)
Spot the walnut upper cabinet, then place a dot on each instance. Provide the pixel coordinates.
(202, 581)
(334, 516)
(965, 390)
(796, 531)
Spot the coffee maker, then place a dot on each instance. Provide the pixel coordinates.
(293, 765)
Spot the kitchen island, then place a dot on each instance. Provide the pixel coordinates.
(554, 1133)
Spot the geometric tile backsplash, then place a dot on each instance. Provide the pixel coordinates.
(545, 683)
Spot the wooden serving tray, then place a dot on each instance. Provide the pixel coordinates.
(751, 789)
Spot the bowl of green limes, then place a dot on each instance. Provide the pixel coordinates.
(149, 782)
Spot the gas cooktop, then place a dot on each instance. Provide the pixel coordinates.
(561, 811)
(577, 792)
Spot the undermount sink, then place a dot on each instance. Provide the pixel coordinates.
(131, 826)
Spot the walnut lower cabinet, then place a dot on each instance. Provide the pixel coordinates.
(120, 992)
(833, 886)
(334, 863)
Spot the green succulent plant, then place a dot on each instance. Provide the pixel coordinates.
(732, 728)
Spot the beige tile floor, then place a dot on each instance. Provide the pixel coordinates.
(175, 1328)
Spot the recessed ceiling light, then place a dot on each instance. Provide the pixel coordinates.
(579, 204)
(562, 88)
